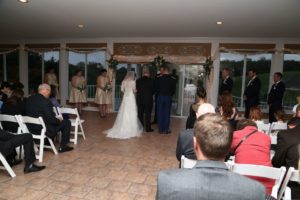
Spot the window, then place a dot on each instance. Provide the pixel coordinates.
(12, 66)
(38, 65)
(235, 63)
(1, 67)
(34, 71)
(291, 74)
(262, 64)
(90, 64)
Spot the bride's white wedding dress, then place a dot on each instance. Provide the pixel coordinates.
(127, 124)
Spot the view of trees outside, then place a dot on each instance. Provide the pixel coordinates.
(91, 65)
(291, 77)
(261, 62)
(12, 66)
(34, 71)
(35, 67)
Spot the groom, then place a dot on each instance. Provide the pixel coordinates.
(144, 98)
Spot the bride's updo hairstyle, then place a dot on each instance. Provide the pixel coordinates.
(130, 76)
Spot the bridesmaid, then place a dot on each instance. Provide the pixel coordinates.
(51, 79)
(78, 91)
(103, 93)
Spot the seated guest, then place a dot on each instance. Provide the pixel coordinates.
(298, 111)
(210, 178)
(185, 145)
(228, 109)
(54, 101)
(287, 151)
(200, 99)
(255, 149)
(279, 116)
(8, 144)
(298, 103)
(14, 105)
(6, 91)
(39, 105)
(255, 114)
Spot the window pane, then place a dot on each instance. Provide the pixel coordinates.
(262, 64)
(12, 63)
(1, 67)
(51, 60)
(95, 62)
(291, 74)
(76, 61)
(34, 71)
(234, 62)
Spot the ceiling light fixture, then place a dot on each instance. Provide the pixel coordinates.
(219, 23)
(23, 1)
(80, 25)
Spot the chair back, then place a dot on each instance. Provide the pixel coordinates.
(277, 126)
(276, 174)
(23, 120)
(8, 118)
(291, 175)
(55, 111)
(263, 127)
(187, 163)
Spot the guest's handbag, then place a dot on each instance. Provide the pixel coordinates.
(237, 146)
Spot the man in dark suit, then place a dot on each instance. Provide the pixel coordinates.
(144, 98)
(8, 144)
(210, 178)
(275, 96)
(165, 89)
(227, 83)
(39, 105)
(287, 151)
(252, 91)
(161, 69)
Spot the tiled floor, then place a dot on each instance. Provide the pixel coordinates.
(99, 167)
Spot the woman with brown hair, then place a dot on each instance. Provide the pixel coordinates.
(228, 108)
(255, 114)
(103, 91)
(78, 91)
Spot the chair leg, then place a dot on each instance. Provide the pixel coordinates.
(52, 146)
(81, 129)
(76, 134)
(7, 166)
(41, 150)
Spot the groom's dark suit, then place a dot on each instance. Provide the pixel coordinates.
(144, 98)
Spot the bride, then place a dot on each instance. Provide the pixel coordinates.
(127, 124)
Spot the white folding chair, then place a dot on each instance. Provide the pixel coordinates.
(6, 166)
(75, 122)
(187, 163)
(263, 127)
(9, 118)
(262, 171)
(278, 126)
(55, 111)
(291, 175)
(23, 120)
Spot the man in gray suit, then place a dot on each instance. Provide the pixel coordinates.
(210, 179)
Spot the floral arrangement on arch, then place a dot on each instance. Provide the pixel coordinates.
(208, 65)
(112, 63)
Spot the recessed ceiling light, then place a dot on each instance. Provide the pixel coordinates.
(23, 1)
(80, 25)
(219, 23)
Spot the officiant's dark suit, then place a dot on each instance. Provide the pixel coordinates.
(252, 92)
(39, 106)
(144, 98)
(275, 96)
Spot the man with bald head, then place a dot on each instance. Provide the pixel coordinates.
(39, 105)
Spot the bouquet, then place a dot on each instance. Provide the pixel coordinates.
(107, 88)
(81, 88)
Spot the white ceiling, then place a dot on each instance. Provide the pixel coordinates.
(50, 19)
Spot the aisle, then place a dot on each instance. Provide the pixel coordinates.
(99, 167)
